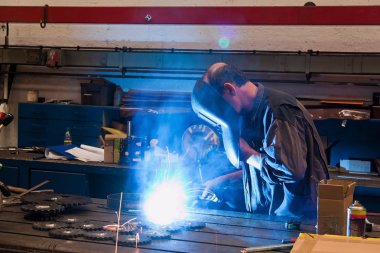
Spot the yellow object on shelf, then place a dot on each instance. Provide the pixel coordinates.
(113, 145)
(313, 243)
(116, 132)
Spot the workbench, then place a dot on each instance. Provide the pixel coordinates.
(91, 179)
(225, 231)
(25, 169)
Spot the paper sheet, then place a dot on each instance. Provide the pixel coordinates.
(92, 149)
(52, 155)
(85, 155)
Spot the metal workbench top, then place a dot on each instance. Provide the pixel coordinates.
(225, 231)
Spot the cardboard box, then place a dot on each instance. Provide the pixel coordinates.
(334, 197)
(311, 243)
(108, 151)
(113, 144)
(112, 149)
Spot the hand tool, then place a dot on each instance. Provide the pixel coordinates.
(6, 120)
(4, 190)
(293, 225)
(16, 199)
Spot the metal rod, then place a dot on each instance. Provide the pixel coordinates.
(33, 188)
(184, 50)
(268, 248)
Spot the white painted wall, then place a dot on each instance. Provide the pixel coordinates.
(323, 38)
(277, 38)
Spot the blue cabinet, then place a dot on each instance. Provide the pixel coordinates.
(62, 182)
(9, 175)
(45, 124)
(67, 177)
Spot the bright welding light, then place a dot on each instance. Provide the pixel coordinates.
(166, 203)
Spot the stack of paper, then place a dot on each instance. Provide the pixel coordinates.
(87, 153)
(83, 153)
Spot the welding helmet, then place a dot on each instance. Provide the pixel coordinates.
(210, 106)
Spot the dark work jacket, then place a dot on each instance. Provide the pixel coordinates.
(293, 158)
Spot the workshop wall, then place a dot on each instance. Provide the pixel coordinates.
(48, 87)
(277, 38)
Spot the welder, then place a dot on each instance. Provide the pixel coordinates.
(269, 135)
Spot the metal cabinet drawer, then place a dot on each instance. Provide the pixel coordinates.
(28, 139)
(9, 175)
(61, 182)
(43, 126)
(57, 111)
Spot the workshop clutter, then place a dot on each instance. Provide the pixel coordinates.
(312, 243)
(97, 92)
(126, 150)
(334, 198)
(5, 117)
(113, 144)
(121, 147)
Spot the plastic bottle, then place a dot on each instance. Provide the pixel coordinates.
(67, 140)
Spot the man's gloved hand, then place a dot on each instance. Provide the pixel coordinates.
(210, 189)
(249, 155)
(215, 187)
(245, 150)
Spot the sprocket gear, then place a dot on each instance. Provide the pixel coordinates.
(66, 200)
(157, 234)
(65, 233)
(43, 208)
(130, 240)
(89, 225)
(99, 235)
(49, 225)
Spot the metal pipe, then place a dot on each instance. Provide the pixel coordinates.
(268, 248)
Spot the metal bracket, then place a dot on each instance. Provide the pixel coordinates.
(43, 21)
(307, 65)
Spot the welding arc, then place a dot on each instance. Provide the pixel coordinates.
(7, 119)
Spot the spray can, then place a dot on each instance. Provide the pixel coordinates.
(356, 215)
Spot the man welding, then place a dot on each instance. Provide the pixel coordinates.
(270, 135)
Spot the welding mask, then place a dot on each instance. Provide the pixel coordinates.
(210, 106)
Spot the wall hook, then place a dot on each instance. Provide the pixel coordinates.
(43, 21)
(148, 17)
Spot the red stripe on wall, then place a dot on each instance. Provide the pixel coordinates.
(279, 15)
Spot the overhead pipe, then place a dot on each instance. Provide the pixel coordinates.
(212, 15)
